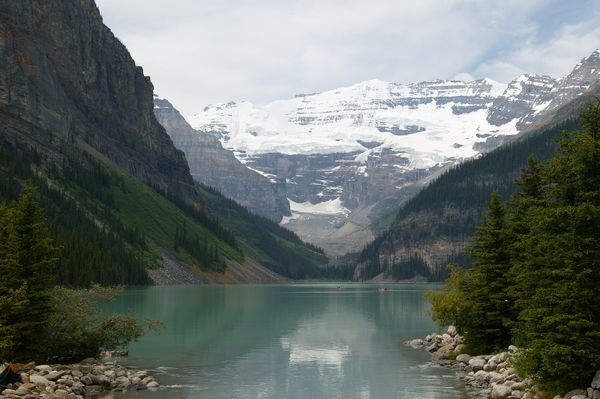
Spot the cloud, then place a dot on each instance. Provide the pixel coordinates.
(555, 57)
(464, 76)
(261, 50)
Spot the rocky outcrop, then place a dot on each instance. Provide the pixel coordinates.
(214, 166)
(435, 255)
(89, 378)
(530, 98)
(173, 272)
(490, 376)
(64, 73)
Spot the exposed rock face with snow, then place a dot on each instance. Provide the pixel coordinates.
(586, 73)
(217, 167)
(522, 98)
(343, 152)
(530, 97)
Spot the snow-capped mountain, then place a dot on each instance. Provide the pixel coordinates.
(342, 152)
(364, 118)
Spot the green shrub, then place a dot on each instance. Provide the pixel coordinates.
(77, 331)
(448, 304)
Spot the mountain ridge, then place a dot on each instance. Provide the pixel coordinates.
(370, 146)
(437, 224)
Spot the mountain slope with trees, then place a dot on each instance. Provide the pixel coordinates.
(436, 225)
(76, 119)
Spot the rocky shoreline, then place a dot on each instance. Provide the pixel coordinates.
(489, 376)
(89, 378)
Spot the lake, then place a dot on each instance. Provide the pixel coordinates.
(320, 341)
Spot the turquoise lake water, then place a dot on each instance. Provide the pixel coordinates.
(286, 341)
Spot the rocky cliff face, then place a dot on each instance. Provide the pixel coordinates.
(214, 166)
(72, 103)
(64, 73)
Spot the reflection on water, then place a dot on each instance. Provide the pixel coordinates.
(292, 341)
(332, 356)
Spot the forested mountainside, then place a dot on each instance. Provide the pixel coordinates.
(436, 226)
(76, 118)
(275, 247)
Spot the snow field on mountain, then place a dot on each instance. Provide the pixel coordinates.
(338, 121)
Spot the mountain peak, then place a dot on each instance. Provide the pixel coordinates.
(219, 106)
(583, 75)
(497, 87)
(375, 84)
(591, 60)
(371, 85)
(595, 54)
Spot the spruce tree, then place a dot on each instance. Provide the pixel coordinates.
(543, 255)
(560, 315)
(10, 288)
(522, 204)
(27, 269)
(489, 312)
(12, 302)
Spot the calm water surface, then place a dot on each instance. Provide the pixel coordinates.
(286, 341)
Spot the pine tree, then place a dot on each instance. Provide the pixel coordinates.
(489, 312)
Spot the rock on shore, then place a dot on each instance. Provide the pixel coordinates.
(490, 376)
(88, 378)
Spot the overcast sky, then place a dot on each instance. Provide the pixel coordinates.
(207, 51)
